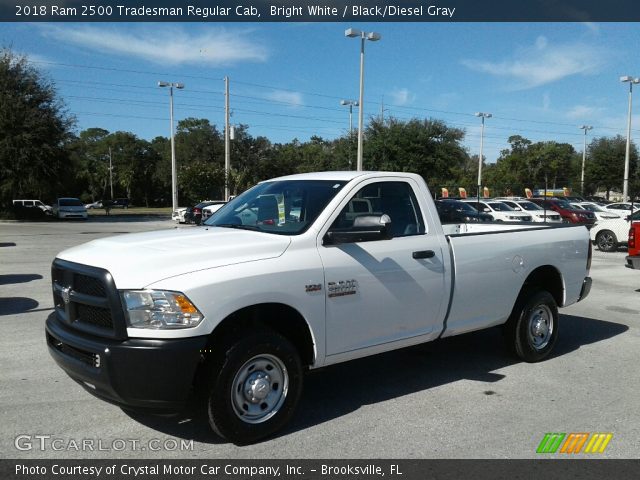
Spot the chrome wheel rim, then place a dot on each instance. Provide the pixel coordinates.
(259, 388)
(540, 326)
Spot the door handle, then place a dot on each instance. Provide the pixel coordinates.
(424, 254)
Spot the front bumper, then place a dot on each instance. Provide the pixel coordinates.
(63, 214)
(633, 262)
(136, 372)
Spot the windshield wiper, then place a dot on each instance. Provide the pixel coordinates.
(235, 225)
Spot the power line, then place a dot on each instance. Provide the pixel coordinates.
(298, 105)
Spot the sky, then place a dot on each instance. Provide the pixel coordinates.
(539, 80)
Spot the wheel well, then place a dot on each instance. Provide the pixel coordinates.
(547, 278)
(281, 318)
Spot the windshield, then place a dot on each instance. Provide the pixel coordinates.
(592, 208)
(563, 204)
(529, 206)
(465, 207)
(70, 202)
(500, 207)
(286, 207)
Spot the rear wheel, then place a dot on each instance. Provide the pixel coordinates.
(255, 387)
(532, 330)
(606, 241)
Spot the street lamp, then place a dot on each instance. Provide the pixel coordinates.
(586, 128)
(625, 180)
(351, 104)
(482, 117)
(174, 182)
(372, 36)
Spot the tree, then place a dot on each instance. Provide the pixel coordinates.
(605, 165)
(427, 147)
(34, 129)
(528, 164)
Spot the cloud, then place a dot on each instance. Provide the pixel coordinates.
(546, 101)
(581, 112)
(402, 96)
(543, 63)
(162, 44)
(292, 98)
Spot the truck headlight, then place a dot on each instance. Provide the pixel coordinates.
(159, 309)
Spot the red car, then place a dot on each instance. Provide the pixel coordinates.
(633, 259)
(566, 211)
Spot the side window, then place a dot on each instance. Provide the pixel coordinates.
(395, 199)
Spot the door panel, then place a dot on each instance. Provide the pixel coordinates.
(376, 291)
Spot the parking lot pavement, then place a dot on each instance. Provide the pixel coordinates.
(462, 397)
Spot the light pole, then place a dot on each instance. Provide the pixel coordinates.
(372, 36)
(482, 116)
(586, 128)
(351, 104)
(174, 180)
(625, 180)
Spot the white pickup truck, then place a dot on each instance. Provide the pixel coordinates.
(298, 273)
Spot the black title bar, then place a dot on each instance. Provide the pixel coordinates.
(581, 469)
(319, 11)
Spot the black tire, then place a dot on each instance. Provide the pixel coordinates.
(607, 241)
(255, 388)
(532, 329)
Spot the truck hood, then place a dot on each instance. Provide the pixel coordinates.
(139, 259)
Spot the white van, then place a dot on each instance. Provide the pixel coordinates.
(33, 204)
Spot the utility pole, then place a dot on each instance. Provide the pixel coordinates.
(586, 128)
(111, 173)
(227, 144)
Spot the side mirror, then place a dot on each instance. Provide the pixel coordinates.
(366, 228)
(486, 209)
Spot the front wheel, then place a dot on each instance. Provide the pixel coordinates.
(255, 388)
(607, 241)
(532, 329)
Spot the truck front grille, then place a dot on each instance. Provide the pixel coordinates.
(86, 357)
(86, 299)
(88, 285)
(100, 317)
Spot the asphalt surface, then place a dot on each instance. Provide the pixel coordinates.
(462, 397)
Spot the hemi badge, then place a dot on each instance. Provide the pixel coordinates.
(314, 287)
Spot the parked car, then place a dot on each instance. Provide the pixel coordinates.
(601, 213)
(598, 200)
(566, 211)
(243, 308)
(117, 203)
(194, 214)
(178, 215)
(622, 207)
(454, 211)
(501, 212)
(211, 209)
(538, 214)
(31, 209)
(633, 259)
(68, 207)
(610, 234)
(96, 204)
